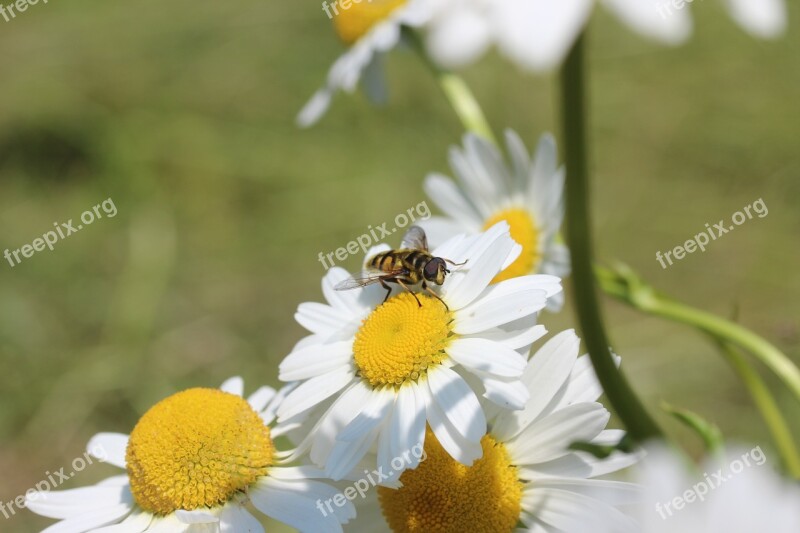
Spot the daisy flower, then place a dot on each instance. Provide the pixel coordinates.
(369, 28)
(765, 19)
(537, 34)
(193, 463)
(385, 369)
(527, 195)
(528, 480)
(736, 493)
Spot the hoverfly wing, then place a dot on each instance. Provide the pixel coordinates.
(415, 239)
(355, 282)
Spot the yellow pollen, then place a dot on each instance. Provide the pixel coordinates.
(523, 230)
(400, 340)
(354, 22)
(443, 496)
(196, 449)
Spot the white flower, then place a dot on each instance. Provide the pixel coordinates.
(737, 493)
(538, 34)
(527, 475)
(165, 489)
(528, 196)
(388, 369)
(370, 28)
(765, 18)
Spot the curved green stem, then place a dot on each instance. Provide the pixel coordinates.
(625, 285)
(622, 397)
(457, 92)
(766, 405)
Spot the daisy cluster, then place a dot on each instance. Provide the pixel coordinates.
(426, 397)
(432, 394)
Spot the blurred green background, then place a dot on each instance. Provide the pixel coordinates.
(182, 113)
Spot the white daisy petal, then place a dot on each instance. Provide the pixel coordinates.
(76, 502)
(320, 318)
(136, 522)
(458, 403)
(505, 392)
(342, 412)
(91, 520)
(315, 360)
(380, 404)
(234, 385)
(461, 289)
(261, 397)
(487, 356)
(109, 448)
(408, 423)
(510, 336)
(449, 198)
(236, 519)
(571, 511)
(459, 448)
(670, 27)
(313, 391)
(537, 34)
(459, 38)
(547, 371)
(520, 159)
(294, 510)
(766, 19)
(199, 516)
(549, 438)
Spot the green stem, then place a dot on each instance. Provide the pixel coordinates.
(768, 408)
(622, 397)
(457, 92)
(738, 335)
(624, 285)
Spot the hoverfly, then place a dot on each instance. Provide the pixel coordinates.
(412, 263)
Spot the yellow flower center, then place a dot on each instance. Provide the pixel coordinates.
(196, 449)
(356, 20)
(443, 496)
(523, 230)
(400, 340)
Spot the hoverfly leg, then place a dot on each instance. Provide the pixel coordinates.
(430, 291)
(398, 280)
(388, 290)
(457, 264)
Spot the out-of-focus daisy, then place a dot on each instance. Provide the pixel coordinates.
(528, 196)
(536, 34)
(390, 368)
(736, 493)
(765, 19)
(369, 28)
(527, 479)
(194, 462)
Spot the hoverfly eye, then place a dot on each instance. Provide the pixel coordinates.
(431, 269)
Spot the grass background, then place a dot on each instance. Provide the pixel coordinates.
(182, 113)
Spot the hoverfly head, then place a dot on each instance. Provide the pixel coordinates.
(435, 271)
